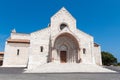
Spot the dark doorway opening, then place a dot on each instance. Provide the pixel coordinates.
(63, 56)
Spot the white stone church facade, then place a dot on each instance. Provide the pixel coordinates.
(61, 42)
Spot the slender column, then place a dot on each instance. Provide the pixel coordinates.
(79, 59)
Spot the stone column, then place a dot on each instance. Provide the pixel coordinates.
(79, 58)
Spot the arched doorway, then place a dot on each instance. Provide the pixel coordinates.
(66, 47)
(63, 53)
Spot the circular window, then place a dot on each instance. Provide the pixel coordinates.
(62, 26)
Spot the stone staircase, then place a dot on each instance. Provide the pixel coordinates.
(67, 68)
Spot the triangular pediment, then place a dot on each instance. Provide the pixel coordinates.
(63, 12)
(62, 17)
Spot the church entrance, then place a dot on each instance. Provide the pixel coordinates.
(65, 49)
(63, 56)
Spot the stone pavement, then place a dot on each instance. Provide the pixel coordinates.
(66, 68)
(17, 74)
(70, 76)
(115, 68)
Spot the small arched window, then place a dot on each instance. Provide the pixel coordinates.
(18, 51)
(62, 26)
(41, 48)
(84, 51)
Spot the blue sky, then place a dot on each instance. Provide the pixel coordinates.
(99, 18)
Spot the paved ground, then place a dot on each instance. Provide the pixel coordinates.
(115, 68)
(17, 74)
(70, 76)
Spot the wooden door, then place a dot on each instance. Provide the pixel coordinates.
(63, 57)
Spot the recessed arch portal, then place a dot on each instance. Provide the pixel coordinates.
(67, 46)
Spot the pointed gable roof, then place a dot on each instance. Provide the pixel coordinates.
(64, 11)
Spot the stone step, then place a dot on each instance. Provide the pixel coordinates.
(67, 67)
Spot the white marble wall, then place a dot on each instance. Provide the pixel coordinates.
(38, 39)
(97, 54)
(20, 36)
(85, 41)
(11, 59)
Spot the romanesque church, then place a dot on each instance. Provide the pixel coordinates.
(60, 43)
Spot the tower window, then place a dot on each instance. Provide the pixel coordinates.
(84, 51)
(18, 51)
(41, 48)
(62, 26)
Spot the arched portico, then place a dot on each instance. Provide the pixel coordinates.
(66, 49)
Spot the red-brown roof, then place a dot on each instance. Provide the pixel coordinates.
(1, 52)
(96, 45)
(18, 41)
